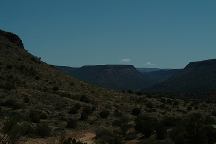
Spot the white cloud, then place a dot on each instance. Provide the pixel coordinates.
(126, 60)
(150, 64)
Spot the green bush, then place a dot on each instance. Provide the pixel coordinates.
(11, 103)
(149, 105)
(14, 129)
(55, 88)
(85, 99)
(26, 99)
(104, 114)
(194, 129)
(117, 113)
(75, 109)
(43, 130)
(170, 122)
(145, 125)
(161, 131)
(43, 115)
(71, 123)
(34, 116)
(136, 111)
(85, 113)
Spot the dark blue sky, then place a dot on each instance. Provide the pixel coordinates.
(145, 33)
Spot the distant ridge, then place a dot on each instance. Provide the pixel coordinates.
(197, 79)
(110, 76)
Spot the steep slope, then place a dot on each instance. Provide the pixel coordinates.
(197, 78)
(27, 85)
(110, 76)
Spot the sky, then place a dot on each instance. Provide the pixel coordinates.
(144, 33)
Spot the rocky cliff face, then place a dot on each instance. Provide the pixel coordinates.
(11, 38)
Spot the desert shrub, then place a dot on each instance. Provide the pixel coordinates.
(42, 130)
(13, 130)
(162, 100)
(189, 108)
(34, 116)
(88, 109)
(8, 85)
(194, 130)
(26, 99)
(36, 59)
(149, 105)
(175, 103)
(75, 108)
(210, 133)
(178, 135)
(103, 135)
(116, 122)
(11, 103)
(26, 129)
(104, 114)
(194, 126)
(71, 123)
(130, 91)
(9, 67)
(170, 122)
(72, 83)
(84, 115)
(31, 71)
(145, 125)
(10, 131)
(131, 136)
(85, 99)
(139, 93)
(136, 111)
(161, 131)
(37, 78)
(117, 113)
(169, 101)
(55, 88)
(214, 113)
(43, 115)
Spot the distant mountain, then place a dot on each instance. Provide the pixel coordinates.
(196, 78)
(120, 76)
(110, 76)
(161, 75)
(67, 69)
(144, 70)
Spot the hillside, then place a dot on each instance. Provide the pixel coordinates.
(33, 91)
(161, 75)
(110, 76)
(41, 105)
(197, 78)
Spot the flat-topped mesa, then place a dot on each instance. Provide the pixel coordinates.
(201, 64)
(103, 67)
(13, 38)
